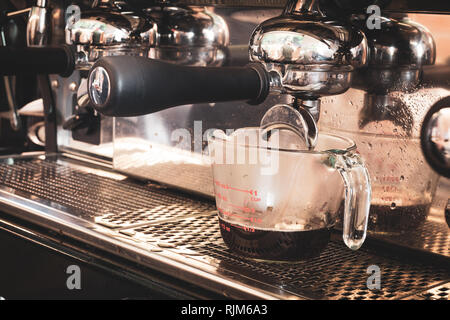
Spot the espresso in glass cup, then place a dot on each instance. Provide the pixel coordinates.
(278, 202)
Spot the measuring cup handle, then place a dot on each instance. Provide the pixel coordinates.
(357, 199)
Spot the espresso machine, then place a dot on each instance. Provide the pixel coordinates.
(132, 90)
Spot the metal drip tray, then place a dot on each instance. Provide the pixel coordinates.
(430, 236)
(110, 200)
(338, 273)
(179, 234)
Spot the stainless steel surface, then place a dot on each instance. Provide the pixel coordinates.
(164, 123)
(100, 85)
(398, 51)
(66, 102)
(37, 29)
(439, 131)
(312, 54)
(103, 33)
(438, 293)
(190, 36)
(435, 137)
(14, 119)
(384, 112)
(416, 48)
(402, 182)
(36, 133)
(179, 235)
(287, 117)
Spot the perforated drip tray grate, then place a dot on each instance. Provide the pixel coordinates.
(177, 223)
(112, 203)
(437, 293)
(338, 273)
(430, 236)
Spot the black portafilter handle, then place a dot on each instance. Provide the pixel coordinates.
(124, 86)
(37, 60)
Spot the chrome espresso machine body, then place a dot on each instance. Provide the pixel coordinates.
(127, 168)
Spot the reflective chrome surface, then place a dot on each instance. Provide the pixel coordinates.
(439, 133)
(14, 118)
(37, 25)
(103, 33)
(387, 135)
(100, 85)
(297, 120)
(435, 137)
(400, 43)
(189, 36)
(68, 92)
(301, 40)
(312, 54)
(397, 53)
(385, 118)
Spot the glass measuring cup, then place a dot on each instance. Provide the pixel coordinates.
(276, 202)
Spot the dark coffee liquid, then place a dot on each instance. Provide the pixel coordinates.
(396, 219)
(274, 245)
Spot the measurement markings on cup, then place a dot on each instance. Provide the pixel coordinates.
(245, 209)
(226, 228)
(232, 214)
(228, 187)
